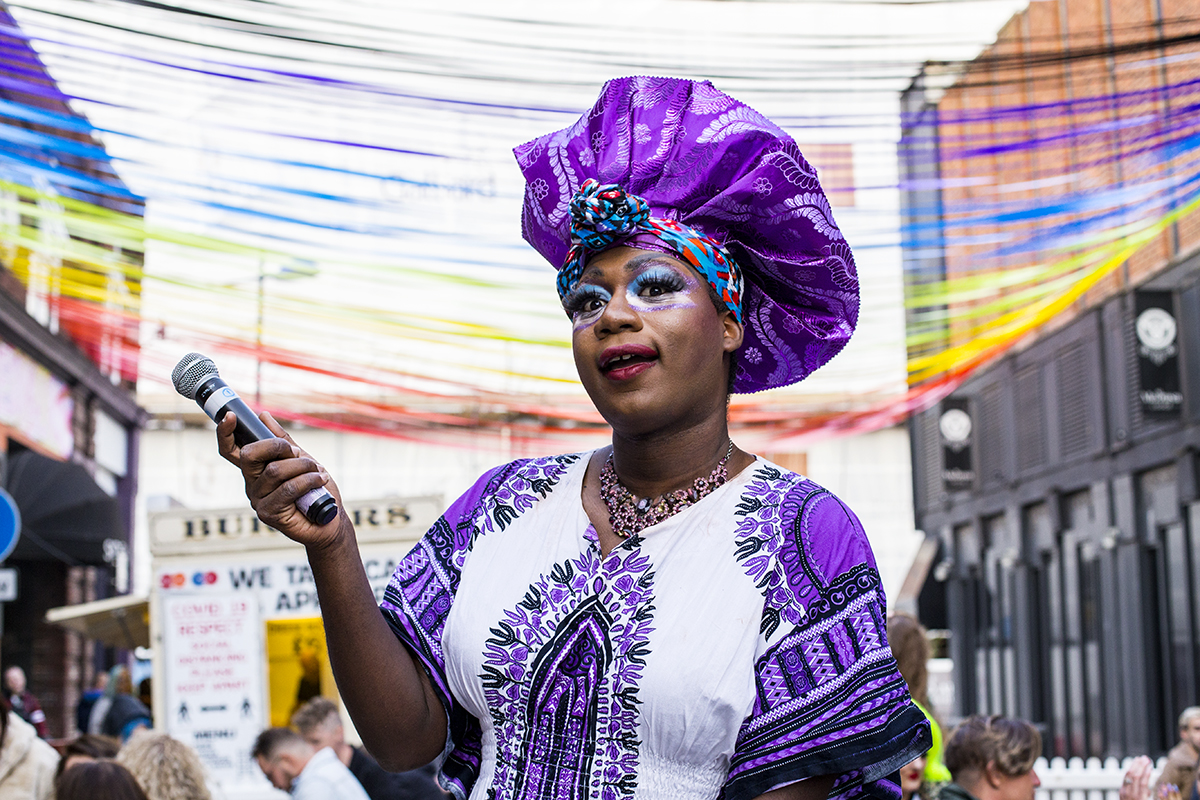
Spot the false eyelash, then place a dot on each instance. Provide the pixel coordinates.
(667, 279)
(578, 297)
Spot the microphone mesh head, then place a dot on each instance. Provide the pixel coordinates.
(192, 370)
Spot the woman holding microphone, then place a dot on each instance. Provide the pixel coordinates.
(669, 616)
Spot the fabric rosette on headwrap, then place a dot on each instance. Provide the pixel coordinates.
(677, 166)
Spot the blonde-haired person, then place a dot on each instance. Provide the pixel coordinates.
(1180, 770)
(166, 768)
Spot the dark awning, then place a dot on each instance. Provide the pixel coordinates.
(65, 516)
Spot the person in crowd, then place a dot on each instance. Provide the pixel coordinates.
(910, 645)
(295, 766)
(912, 778)
(991, 758)
(104, 702)
(671, 616)
(83, 711)
(98, 780)
(125, 713)
(22, 701)
(27, 763)
(320, 723)
(1136, 784)
(145, 692)
(165, 768)
(1180, 770)
(88, 747)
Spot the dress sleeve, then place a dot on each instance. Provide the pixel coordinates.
(417, 601)
(829, 697)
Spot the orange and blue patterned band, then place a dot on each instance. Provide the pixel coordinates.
(603, 215)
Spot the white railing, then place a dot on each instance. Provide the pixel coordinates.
(1084, 780)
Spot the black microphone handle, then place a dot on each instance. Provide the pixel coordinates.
(317, 504)
(249, 427)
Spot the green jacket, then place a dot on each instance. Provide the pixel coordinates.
(935, 770)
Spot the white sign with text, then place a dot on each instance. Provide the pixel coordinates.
(214, 694)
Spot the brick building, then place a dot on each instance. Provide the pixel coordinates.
(1060, 480)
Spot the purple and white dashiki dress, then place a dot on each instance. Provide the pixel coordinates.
(733, 648)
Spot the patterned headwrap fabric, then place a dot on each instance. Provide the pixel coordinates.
(602, 216)
(736, 186)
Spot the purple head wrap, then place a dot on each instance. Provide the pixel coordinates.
(697, 157)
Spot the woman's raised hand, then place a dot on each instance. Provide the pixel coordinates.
(277, 472)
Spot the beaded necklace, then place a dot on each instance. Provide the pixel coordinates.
(630, 516)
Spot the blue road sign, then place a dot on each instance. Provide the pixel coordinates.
(10, 524)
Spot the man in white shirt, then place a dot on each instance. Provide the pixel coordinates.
(320, 723)
(292, 764)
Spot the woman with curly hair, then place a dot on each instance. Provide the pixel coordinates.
(166, 768)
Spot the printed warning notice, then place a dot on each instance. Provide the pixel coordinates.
(213, 648)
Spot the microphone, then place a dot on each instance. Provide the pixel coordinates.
(196, 378)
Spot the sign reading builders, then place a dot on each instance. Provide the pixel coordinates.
(1157, 342)
(956, 431)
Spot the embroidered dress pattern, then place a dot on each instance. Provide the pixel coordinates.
(423, 586)
(828, 692)
(561, 677)
(635, 674)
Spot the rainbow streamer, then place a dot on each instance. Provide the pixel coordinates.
(330, 196)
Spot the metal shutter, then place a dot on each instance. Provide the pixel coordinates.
(1076, 428)
(929, 458)
(990, 424)
(1031, 418)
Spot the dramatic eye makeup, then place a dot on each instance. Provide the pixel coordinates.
(585, 299)
(655, 286)
(655, 281)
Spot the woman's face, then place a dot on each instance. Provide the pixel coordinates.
(911, 775)
(648, 342)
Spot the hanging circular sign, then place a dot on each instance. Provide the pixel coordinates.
(955, 425)
(1156, 328)
(10, 524)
